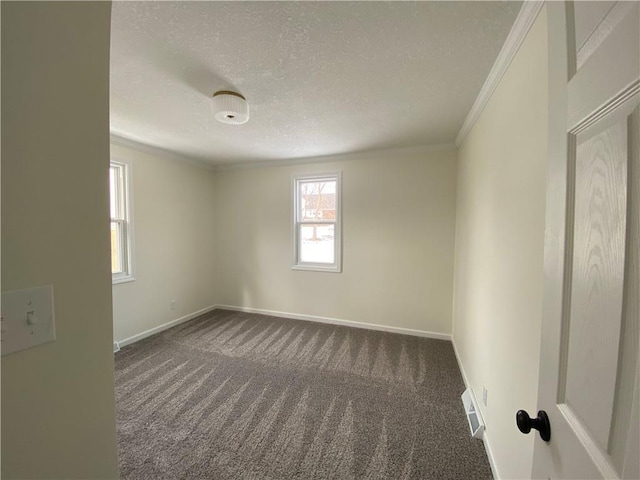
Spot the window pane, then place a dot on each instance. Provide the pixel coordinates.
(317, 243)
(113, 190)
(317, 200)
(116, 248)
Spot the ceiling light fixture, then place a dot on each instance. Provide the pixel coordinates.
(230, 108)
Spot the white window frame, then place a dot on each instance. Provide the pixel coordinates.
(126, 222)
(336, 266)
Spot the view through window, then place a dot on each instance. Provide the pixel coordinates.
(317, 224)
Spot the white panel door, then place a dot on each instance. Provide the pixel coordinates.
(589, 369)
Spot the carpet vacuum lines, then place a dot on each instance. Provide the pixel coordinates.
(233, 395)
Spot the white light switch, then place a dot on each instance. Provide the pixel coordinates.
(31, 318)
(27, 318)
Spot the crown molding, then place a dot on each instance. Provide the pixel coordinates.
(157, 151)
(521, 26)
(241, 165)
(337, 157)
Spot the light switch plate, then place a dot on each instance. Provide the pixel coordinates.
(27, 319)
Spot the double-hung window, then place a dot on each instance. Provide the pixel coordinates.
(317, 222)
(121, 222)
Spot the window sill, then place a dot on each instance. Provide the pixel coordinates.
(122, 279)
(317, 268)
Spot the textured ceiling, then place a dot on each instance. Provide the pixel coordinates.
(321, 78)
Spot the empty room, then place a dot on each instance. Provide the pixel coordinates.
(320, 240)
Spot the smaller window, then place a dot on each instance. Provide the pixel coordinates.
(317, 223)
(121, 222)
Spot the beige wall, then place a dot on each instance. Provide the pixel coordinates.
(58, 416)
(174, 243)
(499, 251)
(398, 233)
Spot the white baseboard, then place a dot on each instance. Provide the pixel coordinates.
(295, 316)
(464, 374)
(490, 456)
(164, 326)
(337, 321)
(485, 437)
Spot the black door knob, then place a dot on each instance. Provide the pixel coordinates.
(541, 423)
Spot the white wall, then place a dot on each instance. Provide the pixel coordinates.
(398, 234)
(499, 251)
(58, 413)
(174, 243)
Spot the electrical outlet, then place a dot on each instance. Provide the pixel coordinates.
(173, 304)
(484, 395)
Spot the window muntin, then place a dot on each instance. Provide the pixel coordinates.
(121, 223)
(317, 238)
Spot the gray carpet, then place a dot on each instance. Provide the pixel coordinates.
(233, 395)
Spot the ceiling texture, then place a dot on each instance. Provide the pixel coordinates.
(320, 78)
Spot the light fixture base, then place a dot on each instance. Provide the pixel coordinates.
(230, 108)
